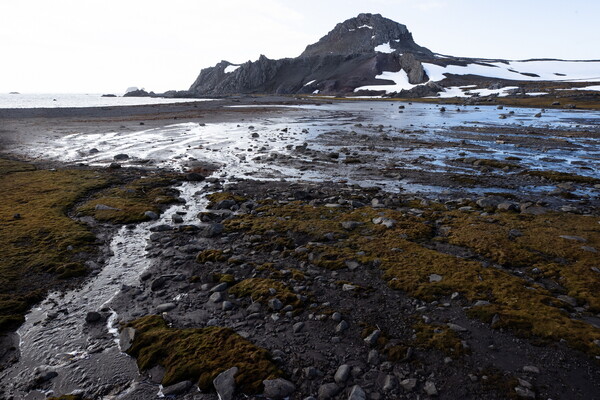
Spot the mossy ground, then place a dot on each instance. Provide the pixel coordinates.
(128, 203)
(200, 355)
(263, 290)
(407, 258)
(438, 337)
(42, 244)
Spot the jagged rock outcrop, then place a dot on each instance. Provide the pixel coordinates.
(340, 62)
(362, 34)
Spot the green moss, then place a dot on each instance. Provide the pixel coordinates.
(438, 337)
(216, 197)
(562, 177)
(200, 355)
(224, 278)
(128, 204)
(41, 244)
(396, 353)
(259, 289)
(210, 255)
(10, 166)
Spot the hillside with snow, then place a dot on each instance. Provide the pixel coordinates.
(370, 55)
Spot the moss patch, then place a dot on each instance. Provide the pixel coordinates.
(438, 337)
(128, 204)
(216, 197)
(260, 289)
(210, 255)
(41, 244)
(200, 355)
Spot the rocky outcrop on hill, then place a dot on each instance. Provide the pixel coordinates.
(344, 59)
(362, 34)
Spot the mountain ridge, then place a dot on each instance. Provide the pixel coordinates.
(373, 55)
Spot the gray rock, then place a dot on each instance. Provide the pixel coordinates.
(574, 238)
(121, 157)
(341, 327)
(350, 225)
(507, 206)
(92, 317)
(224, 384)
(336, 316)
(342, 374)
(44, 374)
(166, 307)
(298, 327)
(278, 388)
(531, 369)
(524, 393)
(212, 230)
(409, 384)
(102, 207)
(216, 297)
(227, 305)
(126, 337)
(328, 391)
(390, 382)
(225, 204)
(567, 299)
(275, 304)
(430, 389)
(456, 328)
(176, 218)
(178, 388)
(357, 393)
(371, 340)
(373, 357)
(161, 228)
(435, 278)
(151, 215)
(219, 288)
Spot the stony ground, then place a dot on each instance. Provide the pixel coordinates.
(484, 286)
(342, 331)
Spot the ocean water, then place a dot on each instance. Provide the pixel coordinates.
(62, 100)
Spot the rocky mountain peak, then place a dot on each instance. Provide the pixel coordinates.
(363, 34)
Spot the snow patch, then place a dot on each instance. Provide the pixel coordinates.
(310, 83)
(316, 91)
(231, 68)
(364, 26)
(514, 70)
(594, 87)
(467, 91)
(399, 78)
(384, 48)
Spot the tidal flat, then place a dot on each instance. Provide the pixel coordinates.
(300, 247)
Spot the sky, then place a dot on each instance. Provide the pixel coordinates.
(91, 46)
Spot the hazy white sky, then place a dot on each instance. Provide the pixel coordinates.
(105, 46)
